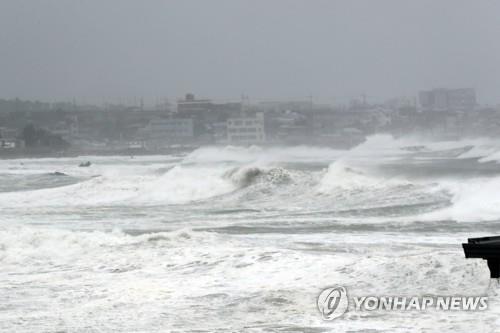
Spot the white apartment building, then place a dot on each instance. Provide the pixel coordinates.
(246, 130)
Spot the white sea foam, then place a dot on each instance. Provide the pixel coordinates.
(248, 237)
(254, 281)
(472, 201)
(258, 155)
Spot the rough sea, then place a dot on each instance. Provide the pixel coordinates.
(234, 239)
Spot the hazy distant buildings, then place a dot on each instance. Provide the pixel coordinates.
(281, 106)
(339, 128)
(192, 107)
(67, 127)
(11, 143)
(448, 99)
(288, 127)
(9, 133)
(164, 131)
(444, 113)
(462, 99)
(9, 139)
(246, 130)
(211, 116)
(206, 110)
(440, 114)
(219, 132)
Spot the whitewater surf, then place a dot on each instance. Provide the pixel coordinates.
(229, 238)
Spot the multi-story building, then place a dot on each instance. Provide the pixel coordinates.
(448, 99)
(206, 110)
(219, 132)
(345, 128)
(9, 139)
(67, 128)
(246, 129)
(172, 128)
(462, 99)
(164, 131)
(192, 107)
(8, 133)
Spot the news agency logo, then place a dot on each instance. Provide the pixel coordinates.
(333, 302)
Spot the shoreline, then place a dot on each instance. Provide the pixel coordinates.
(43, 153)
(89, 152)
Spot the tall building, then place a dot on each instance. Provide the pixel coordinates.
(463, 99)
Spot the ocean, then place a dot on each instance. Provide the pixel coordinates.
(233, 239)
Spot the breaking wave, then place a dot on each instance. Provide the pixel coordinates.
(245, 176)
(129, 241)
(304, 178)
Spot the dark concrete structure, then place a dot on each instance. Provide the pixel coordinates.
(487, 248)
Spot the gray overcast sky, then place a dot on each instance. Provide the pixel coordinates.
(97, 50)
